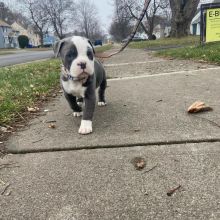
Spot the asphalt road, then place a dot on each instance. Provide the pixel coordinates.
(23, 57)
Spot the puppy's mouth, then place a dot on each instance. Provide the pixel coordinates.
(83, 77)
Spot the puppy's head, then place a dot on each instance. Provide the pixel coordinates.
(77, 54)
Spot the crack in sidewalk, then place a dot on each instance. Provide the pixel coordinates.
(159, 143)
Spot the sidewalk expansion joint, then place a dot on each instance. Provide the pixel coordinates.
(95, 147)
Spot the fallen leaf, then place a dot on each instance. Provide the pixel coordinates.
(52, 125)
(33, 109)
(172, 191)
(3, 129)
(139, 163)
(198, 106)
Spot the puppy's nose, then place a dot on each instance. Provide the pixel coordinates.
(82, 65)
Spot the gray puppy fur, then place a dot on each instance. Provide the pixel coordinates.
(81, 74)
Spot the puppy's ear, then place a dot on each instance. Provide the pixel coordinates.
(57, 47)
(91, 46)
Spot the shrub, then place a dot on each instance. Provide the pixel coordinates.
(23, 41)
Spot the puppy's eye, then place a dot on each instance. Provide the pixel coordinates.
(71, 55)
(90, 54)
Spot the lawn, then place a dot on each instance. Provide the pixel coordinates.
(2, 53)
(7, 51)
(210, 52)
(23, 85)
(103, 48)
(191, 40)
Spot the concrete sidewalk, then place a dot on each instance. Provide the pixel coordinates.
(103, 184)
(58, 174)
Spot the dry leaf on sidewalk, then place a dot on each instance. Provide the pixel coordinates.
(172, 191)
(138, 162)
(52, 126)
(198, 106)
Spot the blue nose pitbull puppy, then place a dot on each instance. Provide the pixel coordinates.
(81, 74)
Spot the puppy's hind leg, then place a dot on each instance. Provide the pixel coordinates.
(101, 93)
(77, 110)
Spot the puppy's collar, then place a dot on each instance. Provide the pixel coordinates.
(68, 76)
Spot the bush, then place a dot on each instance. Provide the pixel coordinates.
(23, 41)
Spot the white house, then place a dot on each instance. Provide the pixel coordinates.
(34, 38)
(195, 24)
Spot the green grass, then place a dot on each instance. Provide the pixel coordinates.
(191, 40)
(22, 86)
(209, 52)
(103, 48)
(5, 53)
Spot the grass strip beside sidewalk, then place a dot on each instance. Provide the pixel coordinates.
(148, 44)
(210, 52)
(103, 48)
(23, 85)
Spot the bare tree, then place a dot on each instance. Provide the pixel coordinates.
(121, 23)
(153, 15)
(60, 12)
(39, 18)
(10, 16)
(87, 20)
(183, 12)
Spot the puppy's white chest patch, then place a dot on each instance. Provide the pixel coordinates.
(74, 88)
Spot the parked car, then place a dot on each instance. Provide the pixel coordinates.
(98, 42)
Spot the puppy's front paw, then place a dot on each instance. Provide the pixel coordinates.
(77, 114)
(102, 104)
(85, 127)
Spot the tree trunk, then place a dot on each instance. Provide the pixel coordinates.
(182, 14)
(41, 39)
(180, 28)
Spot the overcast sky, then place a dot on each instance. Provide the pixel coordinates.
(105, 10)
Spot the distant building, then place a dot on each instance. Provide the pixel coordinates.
(34, 39)
(162, 27)
(161, 31)
(49, 40)
(195, 24)
(8, 36)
